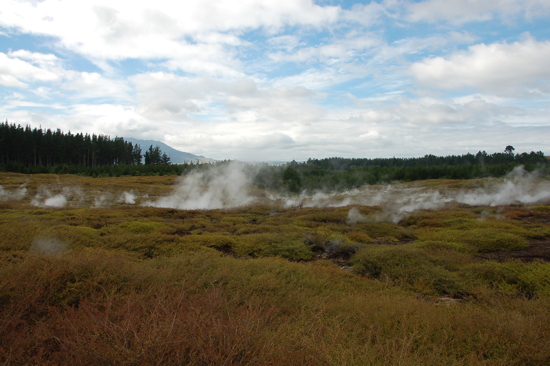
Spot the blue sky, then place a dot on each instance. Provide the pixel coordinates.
(286, 79)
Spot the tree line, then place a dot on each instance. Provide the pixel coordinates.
(29, 151)
(481, 158)
(341, 173)
(26, 147)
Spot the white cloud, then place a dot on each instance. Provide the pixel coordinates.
(169, 97)
(410, 127)
(287, 42)
(117, 29)
(89, 85)
(16, 71)
(463, 11)
(268, 80)
(336, 50)
(366, 14)
(26, 70)
(517, 69)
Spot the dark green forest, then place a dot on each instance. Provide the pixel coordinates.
(30, 151)
(38, 147)
(35, 150)
(340, 173)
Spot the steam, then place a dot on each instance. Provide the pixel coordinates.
(217, 187)
(46, 198)
(229, 185)
(520, 187)
(355, 216)
(399, 201)
(15, 195)
(57, 201)
(48, 246)
(103, 200)
(128, 198)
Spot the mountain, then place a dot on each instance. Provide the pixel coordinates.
(176, 156)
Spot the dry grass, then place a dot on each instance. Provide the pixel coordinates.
(135, 285)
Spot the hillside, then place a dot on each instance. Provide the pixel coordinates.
(176, 156)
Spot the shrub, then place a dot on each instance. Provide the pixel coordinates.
(341, 245)
(270, 245)
(210, 240)
(479, 240)
(359, 237)
(138, 227)
(513, 277)
(405, 265)
(382, 230)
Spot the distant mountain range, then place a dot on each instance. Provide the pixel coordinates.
(176, 156)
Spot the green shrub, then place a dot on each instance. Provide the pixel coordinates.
(405, 265)
(341, 244)
(138, 227)
(382, 230)
(513, 277)
(479, 239)
(210, 240)
(359, 237)
(437, 245)
(271, 245)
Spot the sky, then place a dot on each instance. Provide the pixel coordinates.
(265, 80)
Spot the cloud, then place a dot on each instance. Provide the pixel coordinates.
(464, 11)
(282, 80)
(336, 50)
(22, 69)
(19, 68)
(518, 69)
(170, 97)
(120, 29)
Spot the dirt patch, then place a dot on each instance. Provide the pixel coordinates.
(538, 249)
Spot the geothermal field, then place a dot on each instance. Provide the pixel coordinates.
(209, 269)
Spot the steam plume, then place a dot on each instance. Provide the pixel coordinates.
(217, 187)
(15, 195)
(48, 246)
(46, 198)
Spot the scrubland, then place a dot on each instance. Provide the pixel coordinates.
(103, 279)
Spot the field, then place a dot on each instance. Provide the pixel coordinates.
(438, 272)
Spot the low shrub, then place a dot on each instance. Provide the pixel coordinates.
(406, 265)
(478, 239)
(359, 237)
(382, 230)
(139, 227)
(512, 277)
(210, 240)
(272, 245)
